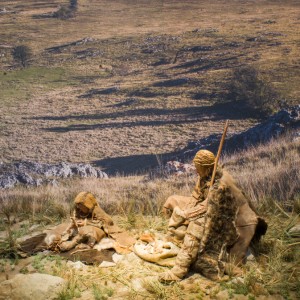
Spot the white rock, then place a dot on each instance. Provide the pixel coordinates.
(238, 280)
(31, 287)
(251, 257)
(76, 265)
(107, 264)
(295, 231)
(117, 257)
(132, 258)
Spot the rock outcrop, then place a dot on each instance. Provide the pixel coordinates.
(178, 168)
(34, 174)
(273, 127)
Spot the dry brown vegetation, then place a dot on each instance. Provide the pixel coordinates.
(266, 173)
(149, 79)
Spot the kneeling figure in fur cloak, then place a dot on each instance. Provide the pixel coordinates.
(215, 225)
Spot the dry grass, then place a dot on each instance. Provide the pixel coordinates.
(49, 114)
(136, 204)
(123, 196)
(144, 46)
(270, 172)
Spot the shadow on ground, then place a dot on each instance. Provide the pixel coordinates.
(216, 112)
(134, 164)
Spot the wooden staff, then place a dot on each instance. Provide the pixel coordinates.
(208, 222)
(219, 154)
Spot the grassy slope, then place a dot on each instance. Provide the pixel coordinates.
(136, 204)
(49, 113)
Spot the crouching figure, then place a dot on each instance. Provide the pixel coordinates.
(89, 224)
(214, 226)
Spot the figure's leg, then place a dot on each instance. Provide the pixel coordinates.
(177, 226)
(187, 253)
(186, 256)
(175, 200)
(177, 218)
(68, 245)
(91, 241)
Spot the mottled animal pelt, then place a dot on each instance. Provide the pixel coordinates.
(219, 233)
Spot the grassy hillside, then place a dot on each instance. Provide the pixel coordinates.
(124, 82)
(135, 203)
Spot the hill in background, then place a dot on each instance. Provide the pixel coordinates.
(137, 80)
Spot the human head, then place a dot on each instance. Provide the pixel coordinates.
(85, 202)
(204, 161)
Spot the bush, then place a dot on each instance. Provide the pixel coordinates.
(22, 54)
(64, 13)
(73, 4)
(249, 88)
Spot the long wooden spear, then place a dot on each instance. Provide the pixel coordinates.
(208, 222)
(219, 154)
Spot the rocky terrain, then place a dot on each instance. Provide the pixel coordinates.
(284, 121)
(34, 174)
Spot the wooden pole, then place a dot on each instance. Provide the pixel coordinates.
(219, 154)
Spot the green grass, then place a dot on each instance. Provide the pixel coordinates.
(101, 293)
(19, 85)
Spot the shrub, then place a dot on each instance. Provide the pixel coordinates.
(248, 87)
(73, 4)
(22, 54)
(64, 13)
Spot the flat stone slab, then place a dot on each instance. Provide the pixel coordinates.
(31, 286)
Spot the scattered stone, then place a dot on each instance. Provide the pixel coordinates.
(251, 258)
(31, 286)
(178, 168)
(238, 280)
(295, 231)
(107, 264)
(31, 173)
(195, 283)
(117, 257)
(78, 265)
(132, 258)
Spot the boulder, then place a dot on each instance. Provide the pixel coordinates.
(31, 286)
